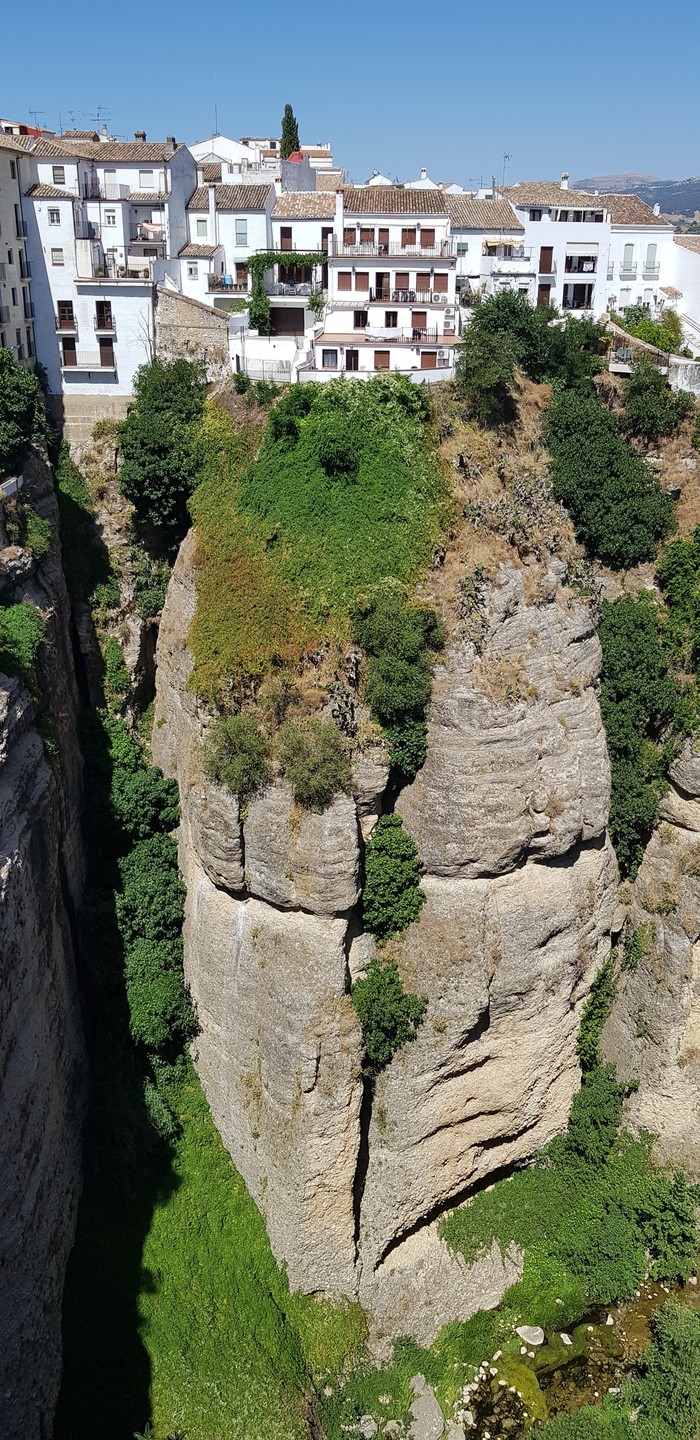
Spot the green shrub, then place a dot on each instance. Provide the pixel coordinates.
(485, 375)
(116, 675)
(391, 898)
(143, 801)
(666, 334)
(642, 706)
(596, 1110)
(235, 754)
(401, 642)
(21, 414)
(36, 533)
(668, 1390)
(388, 1015)
(161, 445)
(21, 634)
(594, 1015)
(652, 408)
(614, 499)
(314, 761)
(151, 903)
(150, 582)
(161, 1017)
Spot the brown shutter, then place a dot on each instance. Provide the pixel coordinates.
(383, 238)
(344, 280)
(381, 359)
(419, 319)
(423, 281)
(428, 360)
(408, 237)
(65, 315)
(366, 235)
(427, 237)
(440, 283)
(285, 237)
(362, 279)
(546, 257)
(69, 351)
(350, 235)
(401, 281)
(241, 272)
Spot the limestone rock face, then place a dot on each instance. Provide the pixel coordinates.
(653, 1034)
(517, 763)
(295, 857)
(214, 816)
(42, 1062)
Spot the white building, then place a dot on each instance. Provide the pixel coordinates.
(489, 247)
(16, 303)
(391, 285)
(226, 224)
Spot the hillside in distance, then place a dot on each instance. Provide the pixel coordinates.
(679, 199)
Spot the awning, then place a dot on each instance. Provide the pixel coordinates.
(582, 247)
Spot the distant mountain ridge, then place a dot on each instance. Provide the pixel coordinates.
(677, 198)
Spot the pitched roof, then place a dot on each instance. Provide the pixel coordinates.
(330, 179)
(149, 197)
(549, 193)
(688, 242)
(671, 291)
(630, 210)
(304, 205)
(318, 150)
(468, 214)
(48, 192)
(79, 135)
(211, 172)
(198, 252)
(392, 200)
(108, 150)
(15, 142)
(231, 197)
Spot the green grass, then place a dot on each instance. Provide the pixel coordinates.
(173, 1290)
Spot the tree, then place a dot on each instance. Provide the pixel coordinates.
(236, 755)
(20, 413)
(161, 446)
(314, 760)
(290, 133)
(652, 408)
(388, 1015)
(392, 897)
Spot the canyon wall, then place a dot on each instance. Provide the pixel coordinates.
(509, 815)
(41, 1055)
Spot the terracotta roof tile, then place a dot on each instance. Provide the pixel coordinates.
(330, 179)
(548, 193)
(468, 214)
(211, 172)
(392, 200)
(688, 242)
(198, 252)
(630, 210)
(239, 198)
(304, 205)
(153, 151)
(48, 192)
(149, 197)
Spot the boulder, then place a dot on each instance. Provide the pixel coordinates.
(296, 858)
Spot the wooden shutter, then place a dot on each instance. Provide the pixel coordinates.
(344, 280)
(69, 351)
(427, 237)
(428, 360)
(408, 236)
(362, 279)
(546, 259)
(381, 359)
(65, 315)
(401, 281)
(350, 235)
(366, 235)
(383, 239)
(106, 352)
(440, 283)
(419, 319)
(423, 280)
(352, 358)
(285, 237)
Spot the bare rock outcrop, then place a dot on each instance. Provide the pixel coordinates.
(653, 1034)
(509, 815)
(41, 1055)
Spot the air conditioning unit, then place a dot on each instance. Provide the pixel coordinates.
(441, 354)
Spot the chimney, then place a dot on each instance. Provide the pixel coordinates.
(170, 145)
(213, 237)
(200, 176)
(139, 135)
(423, 173)
(657, 208)
(564, 179)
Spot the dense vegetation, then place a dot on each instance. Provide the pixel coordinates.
(314, 760)
(21, 634)
(388, 1014)
(391, 895)
(161, 447)
(652, 408)
(401, 642)
(666, 334)
(614, 499)
(235, 754)
(21, 413)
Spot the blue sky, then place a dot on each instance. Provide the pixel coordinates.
(594, 87)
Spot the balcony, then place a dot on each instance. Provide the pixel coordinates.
(581, 264)
(86, 230)
(409, 297)
(304, 287)
(444, 250)
(507, 260)
(29, 309)
(650, 272)
(386, 336)
(147, 232)
(66, 325)
(21, 229)
(4, 314)
(227, 283)
(105, 325)
(88, 360)
(628, 271)
(96, 190)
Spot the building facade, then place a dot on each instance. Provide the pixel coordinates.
(16, 296)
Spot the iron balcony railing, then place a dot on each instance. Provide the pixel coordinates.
(400, 337)
(444, 249)
(628, 271)
(21, 229)
(97, 190)
(105, 325)
(227, 282)
(650, 272)
(66, 324)
(409, 297)
(88, 360)
(29, 309)
(581, 265)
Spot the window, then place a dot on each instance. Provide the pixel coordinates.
(241, 273)
(146, 180)
(382, 359)
(651, 257)
(70, 357)
(66, 319)
(462, 247)
(59, 174)
(329, 359)
(349, 235)
(362, 279)
(366, 235)
(427, 237)
(54, 217)
(402, 280)
(428, 360)
(192, 270)
(423, 281)
(241, 232)
(419, 321)
(383, 239)
(360, 319)
(110, 217)
(10, 258)
(103, 315)
(57, 257)
(13, 170)
(391, 319)
(408, 237)
(30, 342)
(535, 214)
(285, 237)
(352, 359)
(628, 257)
(15, 300)
(563, 215)
(344, 280)
(202, 229)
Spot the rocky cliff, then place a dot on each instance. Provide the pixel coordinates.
(509, 815)
(41, 1065)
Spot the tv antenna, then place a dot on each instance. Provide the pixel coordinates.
(506, 158)
(35, 114)
(102, 115)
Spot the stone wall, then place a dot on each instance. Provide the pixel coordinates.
(188, 330)
(42, 1056)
